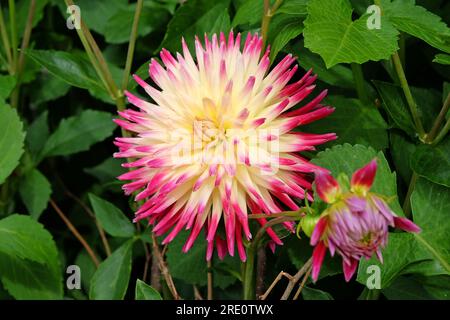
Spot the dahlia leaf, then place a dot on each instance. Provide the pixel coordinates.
(248, 13)
(37, 134)
(48, 88)
(330, 32)
(146, 292)
(84, 261)
(110, 281)
(293, 7)
(418, 22)
(339, 75)
(11, 140)
(442, 59)
(106, 171)
(347, 159)
(78, 133)
(73, 69)
(29, 263)
(354, 123)
(283, 28)
(418, 288)
(402, 150)
(433, 162)
(195, 18)
(35, 192)
(111, 218)
(7, 84)
(395, 105)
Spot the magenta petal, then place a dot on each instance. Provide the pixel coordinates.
(364, 177)
(318, 255)
(349, 269)
(327, 187)
(318, 231)
(406, 224)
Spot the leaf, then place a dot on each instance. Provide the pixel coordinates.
(87, 268)
(395, 105)
(73, 69)
(107, 170)
(22, 7)
(111, 218)
(181, 263)
(78, 133)
(35, 192)
(47, 87)
(406, 288)
(402, 151)
(196, 17)
(7, 84)
(110, 281)
(283, 28)
(38, 133)
(339, 75)
(118, 27)
(250, 12)
(11, 140)
(430, 206)
(330, 32)
(442, 58)
(354, 123)
(146, 292)
(29, 264)
(315, 294)
(418, 22)
(347, 159)
(293, 7)
(433, 162)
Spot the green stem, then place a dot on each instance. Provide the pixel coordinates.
(409, 98)
(25, 42)
(360, 85)
(267, 16)
(131, 45)
(5, 40)
(443, 132)
(439, 119)
(13, 29)
(407, 202)
(249, 281)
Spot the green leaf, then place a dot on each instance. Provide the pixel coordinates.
(402, 151)
(250, 12)
(442, 58)
(7, 84)
(406, 288)
(87, 268)
(38, 133)
(315, 294)
(146, 292)
(78, 133)
(339, 75)
(433, 162)
(118, 27)
(181, 264)
(22, 7)
(283, 28)
(107, 170)
(71, 68)
(354, 123)
(11, 140)
(430, 206)
(195, 17)
(35, 192)
(418, 22)
(330, 32)
(111, 218)
(110, 281)
(347, 159)
(293, 7)
(29, 264)
(47, 87)
(395, 105)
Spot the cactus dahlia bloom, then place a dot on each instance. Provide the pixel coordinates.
(216, 142)
(355, 225)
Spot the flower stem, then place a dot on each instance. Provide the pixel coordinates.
(13, 29)
(360, 85)
(210, 279)
(5, 40)
(408, 95)
(439, 119)
(132, 43)
(249, 283)
(443, 132)
(267, 16)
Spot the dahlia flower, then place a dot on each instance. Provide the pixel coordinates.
(355, 225)
(216, 142)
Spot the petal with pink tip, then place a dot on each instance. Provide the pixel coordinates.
(406, 224)
(327, 187)
(363, 178)
(349, 268)
(318, 256)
